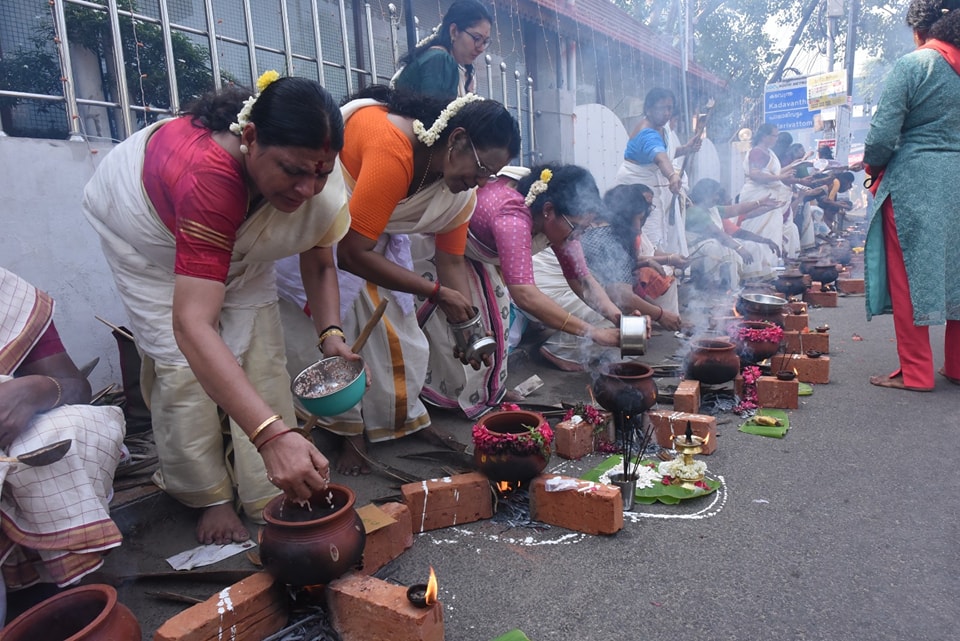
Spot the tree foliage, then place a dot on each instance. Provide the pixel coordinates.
(732, 39)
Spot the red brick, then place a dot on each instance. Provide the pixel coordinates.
(809, 370)
(795, 322)
(573, 440)
(851, 285)
(452, 500)
(387, 543)
(253, 608)
(594, 508)
(821, 299)
(667, 424)
(797, 307)
(687, 397)
(738, 385)
(365, 608)
(794, 344)
(772, 392)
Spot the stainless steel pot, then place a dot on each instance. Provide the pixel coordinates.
(471, 337)
(633, 335)
(761, 304)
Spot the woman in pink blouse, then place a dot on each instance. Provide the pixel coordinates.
(517, 216)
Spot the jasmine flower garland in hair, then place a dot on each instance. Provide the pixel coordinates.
(538, 187)
(431, 135)
(264, 81)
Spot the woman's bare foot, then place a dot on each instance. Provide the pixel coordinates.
(351, 461)
(943, 372)
(220, 524)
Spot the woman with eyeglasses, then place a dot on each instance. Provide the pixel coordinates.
(442, 64)
(519, 215)
(411, 165)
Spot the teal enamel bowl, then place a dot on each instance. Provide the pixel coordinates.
(331, 386)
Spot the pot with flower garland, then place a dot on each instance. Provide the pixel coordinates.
(756, 341)
(511, 445)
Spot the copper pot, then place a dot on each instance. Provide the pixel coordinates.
(312, 545)
(627, 386)
(713, 362)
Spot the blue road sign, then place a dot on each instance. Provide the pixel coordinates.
(785, 105)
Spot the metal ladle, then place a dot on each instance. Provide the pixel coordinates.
(43, 456)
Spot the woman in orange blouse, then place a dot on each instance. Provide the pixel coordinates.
(411, 166)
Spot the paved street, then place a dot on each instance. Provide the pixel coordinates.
(845, 529)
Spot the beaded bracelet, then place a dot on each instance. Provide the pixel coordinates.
(59, 391)
(277, 435)
(255, 433)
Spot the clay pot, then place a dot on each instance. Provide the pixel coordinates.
(808, 262)
(511, 467)
(315, 545)
(627, 386)
(754, 351)
(790, 283)
(824, 273)
(841, 253)
(85, 613)
(713, 362)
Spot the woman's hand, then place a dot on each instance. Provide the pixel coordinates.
(675, 182)
(293, 464)
(774, 246)
(669, 321)
(454, 304)
(745, 255)
(605, 336)
(768, 202)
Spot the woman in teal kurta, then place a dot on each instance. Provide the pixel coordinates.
(913, 241)
(442, 64)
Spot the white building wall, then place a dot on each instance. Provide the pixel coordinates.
(45, 239)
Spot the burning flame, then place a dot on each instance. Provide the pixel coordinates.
(705, 439)
(795, 372)
(736, 314)
(505, 486)
(431, 596)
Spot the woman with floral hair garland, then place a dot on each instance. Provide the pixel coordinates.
(192, 213)
(441, 65)
(410, 164)
(507, 229)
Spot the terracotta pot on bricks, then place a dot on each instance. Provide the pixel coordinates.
(755, 351)
(85, 613)
(713, 362)
(627, 386)
(314, 546)
(510, 467)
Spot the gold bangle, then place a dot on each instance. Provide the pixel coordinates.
(565, 320)
(59, 392)
(263, 426)
(327, 334)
